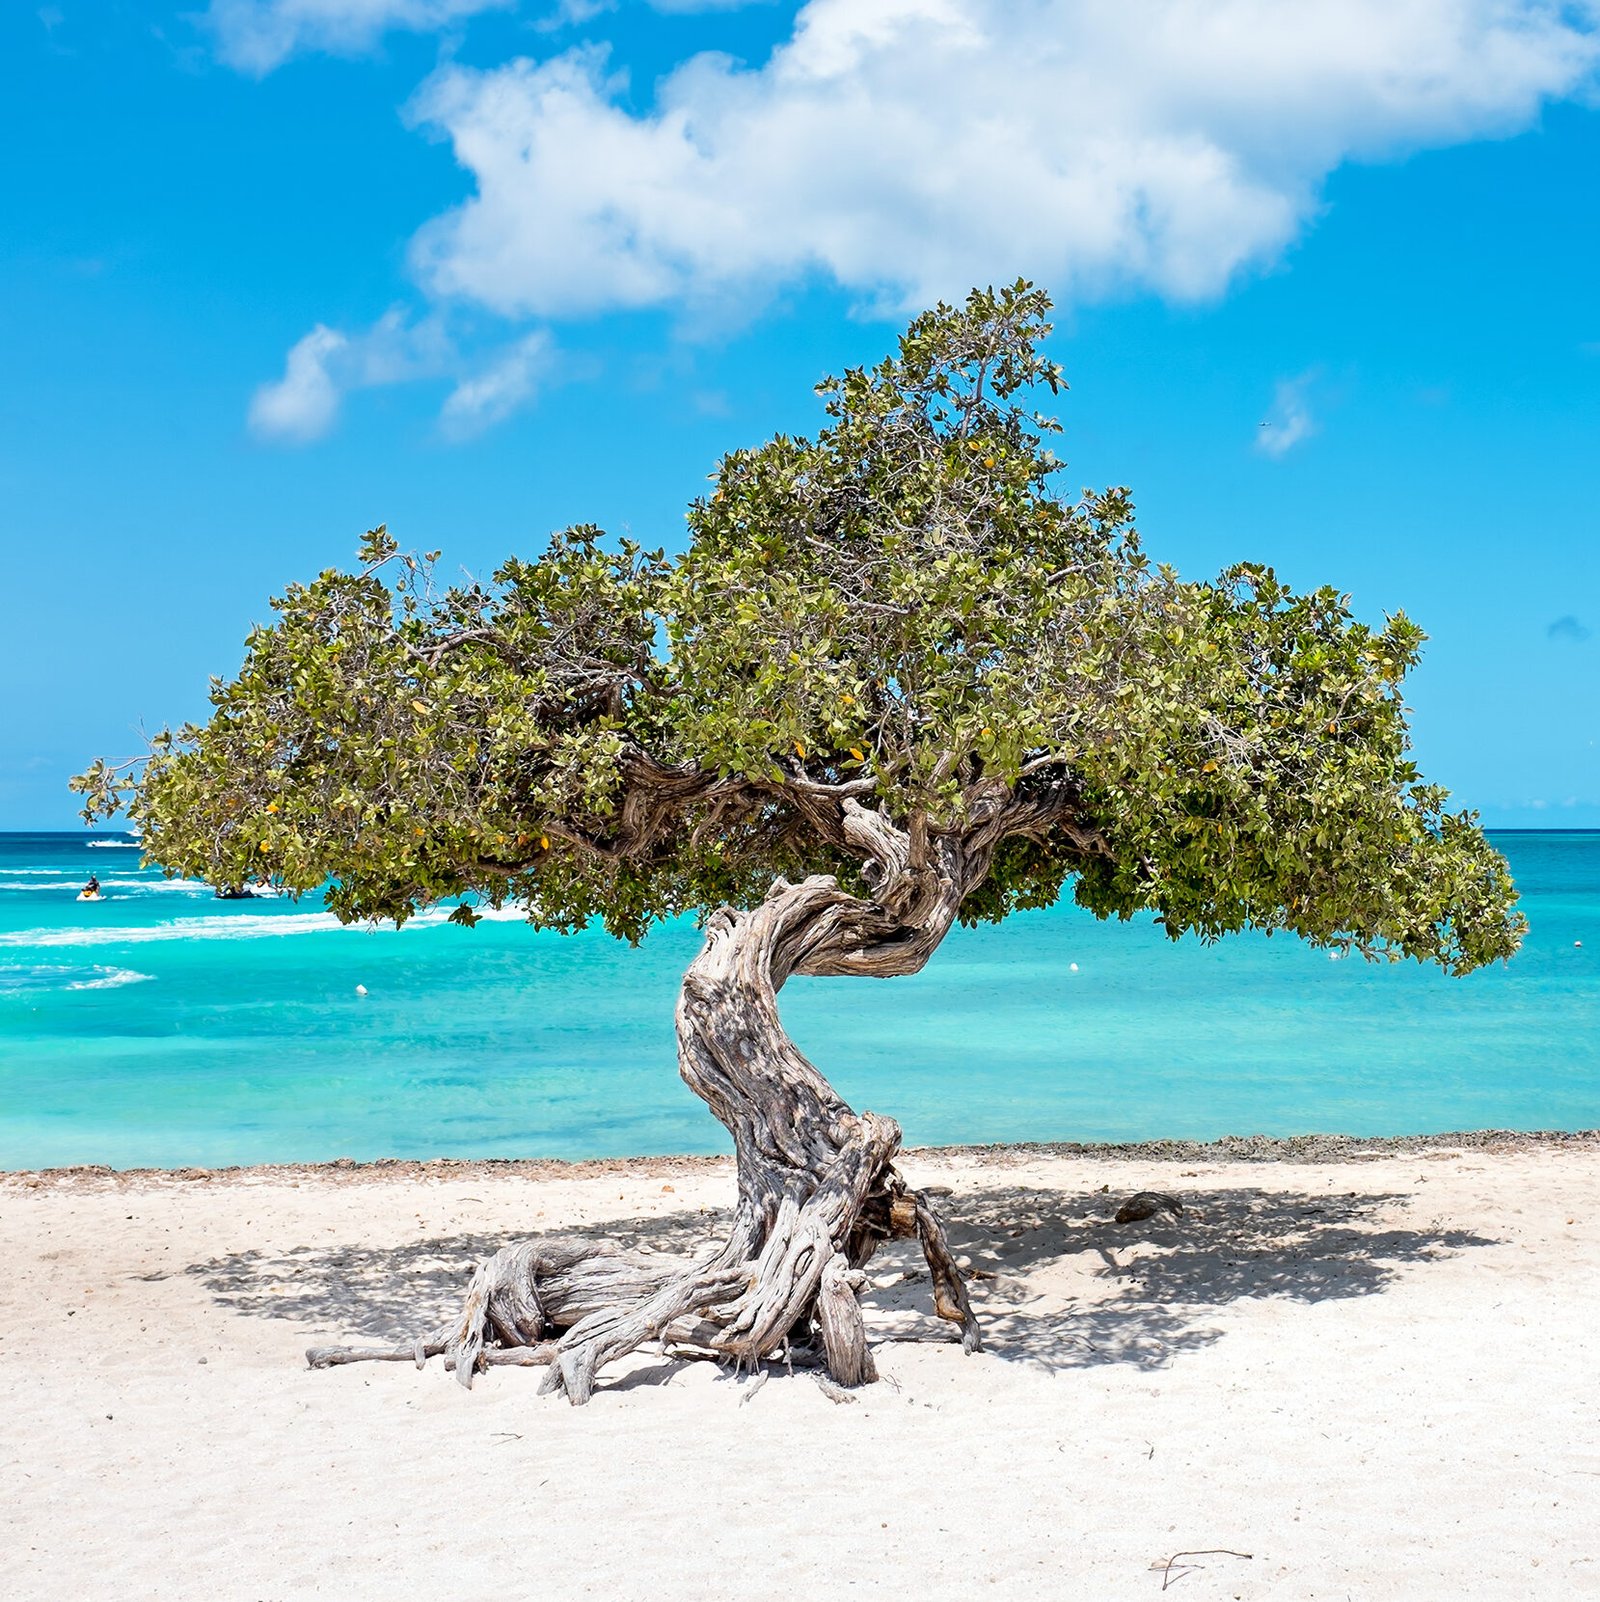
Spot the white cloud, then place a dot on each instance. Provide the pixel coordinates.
(571, 13)
(1290, 420)
(326, 364)
(580, 11)
(492, 394)
(257, 35)
(303, 404)
(681, 6)
(906, 149)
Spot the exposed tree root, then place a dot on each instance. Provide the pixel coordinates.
(818, 1191)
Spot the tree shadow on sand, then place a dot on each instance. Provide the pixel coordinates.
(389, 1293)
(1141, 1294)
(1138, 1294)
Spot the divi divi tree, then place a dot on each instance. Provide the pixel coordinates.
(893, 682)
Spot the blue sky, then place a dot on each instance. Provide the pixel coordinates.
(278, 270)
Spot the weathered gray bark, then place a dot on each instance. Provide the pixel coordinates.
(817, 1187)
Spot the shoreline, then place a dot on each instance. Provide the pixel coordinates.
(1228, 1150)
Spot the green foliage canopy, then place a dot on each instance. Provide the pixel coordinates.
(899, 612)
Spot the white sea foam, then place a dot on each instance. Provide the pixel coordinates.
(213, 927)
(97, 977)
(188, 886)
(114, 845)
(233, 926)
(74, 883)
(109, 979)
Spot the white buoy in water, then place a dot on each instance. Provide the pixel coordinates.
(1073, 966)
(361, 990)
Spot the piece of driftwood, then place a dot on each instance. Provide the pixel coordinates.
(818, 1191)
(832, 1389)
(505, 1357)
(1171, 1570)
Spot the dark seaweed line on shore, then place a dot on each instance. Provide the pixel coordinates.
(1229, 1149)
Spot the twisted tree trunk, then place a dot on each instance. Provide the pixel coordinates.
(817, 1187)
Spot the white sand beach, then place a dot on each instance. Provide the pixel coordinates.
(1377, 1377)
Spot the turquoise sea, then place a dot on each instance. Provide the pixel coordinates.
(163, 1027)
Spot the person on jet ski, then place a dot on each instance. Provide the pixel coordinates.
(93, 886)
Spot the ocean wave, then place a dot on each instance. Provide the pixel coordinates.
(216, 926)
(74, 883)
(113, 845)
(46, 977)
(188, 886)
(235, 926)
(72, 875)
(109, 979)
